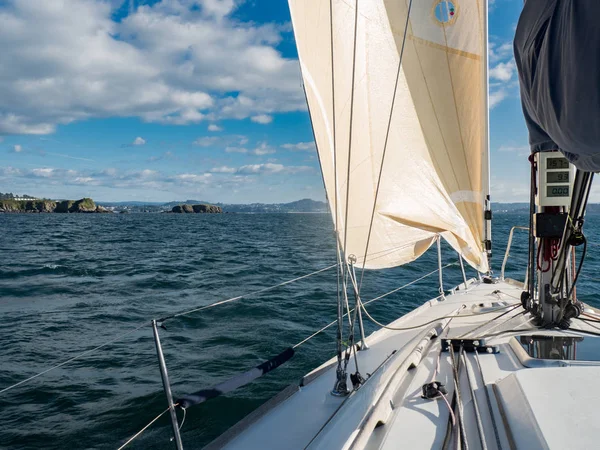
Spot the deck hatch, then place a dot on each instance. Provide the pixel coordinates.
(565, 348)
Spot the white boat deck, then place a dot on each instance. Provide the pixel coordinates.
(529, 403)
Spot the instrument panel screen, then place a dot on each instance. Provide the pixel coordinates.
(557, 191)
(557, 163)
(557, 177)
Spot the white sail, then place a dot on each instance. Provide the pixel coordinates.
(434, 175)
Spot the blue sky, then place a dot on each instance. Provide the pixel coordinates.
(177, 99)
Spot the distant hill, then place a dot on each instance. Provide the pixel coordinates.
(300, 206)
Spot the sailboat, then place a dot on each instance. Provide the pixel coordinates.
(397, 92)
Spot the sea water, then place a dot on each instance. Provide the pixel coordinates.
(72, 282)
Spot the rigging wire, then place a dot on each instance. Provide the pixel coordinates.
(144, 429)
(87, 352)
(145, 323)
(350, 129)
(387, 134)
(367, 302)
(259, 291)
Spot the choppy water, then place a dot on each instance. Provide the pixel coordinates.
(71, 282)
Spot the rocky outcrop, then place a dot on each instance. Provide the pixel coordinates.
(102, 209)
(197, 209)
(85, 205)
(64, 206)
(211, 209)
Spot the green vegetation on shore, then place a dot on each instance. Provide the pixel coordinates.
(84, 205)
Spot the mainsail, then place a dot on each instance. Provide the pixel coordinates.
(409, 145)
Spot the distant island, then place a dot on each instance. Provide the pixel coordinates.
(84, 205)
(197, 209)
(13, 203)
(300, 206)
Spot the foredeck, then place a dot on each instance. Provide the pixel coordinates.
(516, 400)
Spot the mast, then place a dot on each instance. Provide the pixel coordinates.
(485, 174)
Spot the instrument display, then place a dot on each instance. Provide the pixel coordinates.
(557, 191)
(557, 163)
(557, 177)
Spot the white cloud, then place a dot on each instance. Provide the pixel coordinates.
(263, 149)
(214, 127)
(138, 141)
(496, 96)
(45, 172)
(500, 51)
(206, 141)
(271, 168)
(300, 146)
(223, 169)
(17, 148)
(262, 119)
(503, 71)
(173, 61)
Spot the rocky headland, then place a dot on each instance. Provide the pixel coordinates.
(197, 209)
(84, 205)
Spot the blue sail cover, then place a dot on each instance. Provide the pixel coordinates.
(557, 51)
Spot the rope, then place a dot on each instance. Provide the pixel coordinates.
(489, 402)
(259, 291)
(366, 303)
(489, 321)
(182, 421)
(475, 405)
(143, 429)
(431, 321)
(87, 352)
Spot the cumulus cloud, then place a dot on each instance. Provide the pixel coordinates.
(300, 146)
(263, 149)
(261, 169)
(206, 141)
(214, 127)
(262, 119)
(223, 169)
(503, 71)
(500, 51)
(271, 168)
(496, 96)
(113, 178)
(138, 141)
(173, 61)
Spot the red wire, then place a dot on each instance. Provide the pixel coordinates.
(546, 256)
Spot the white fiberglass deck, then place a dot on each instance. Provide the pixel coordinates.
(530, 403)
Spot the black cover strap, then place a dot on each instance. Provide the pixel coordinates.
(238, 381)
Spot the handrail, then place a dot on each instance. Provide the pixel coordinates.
(507, 253)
